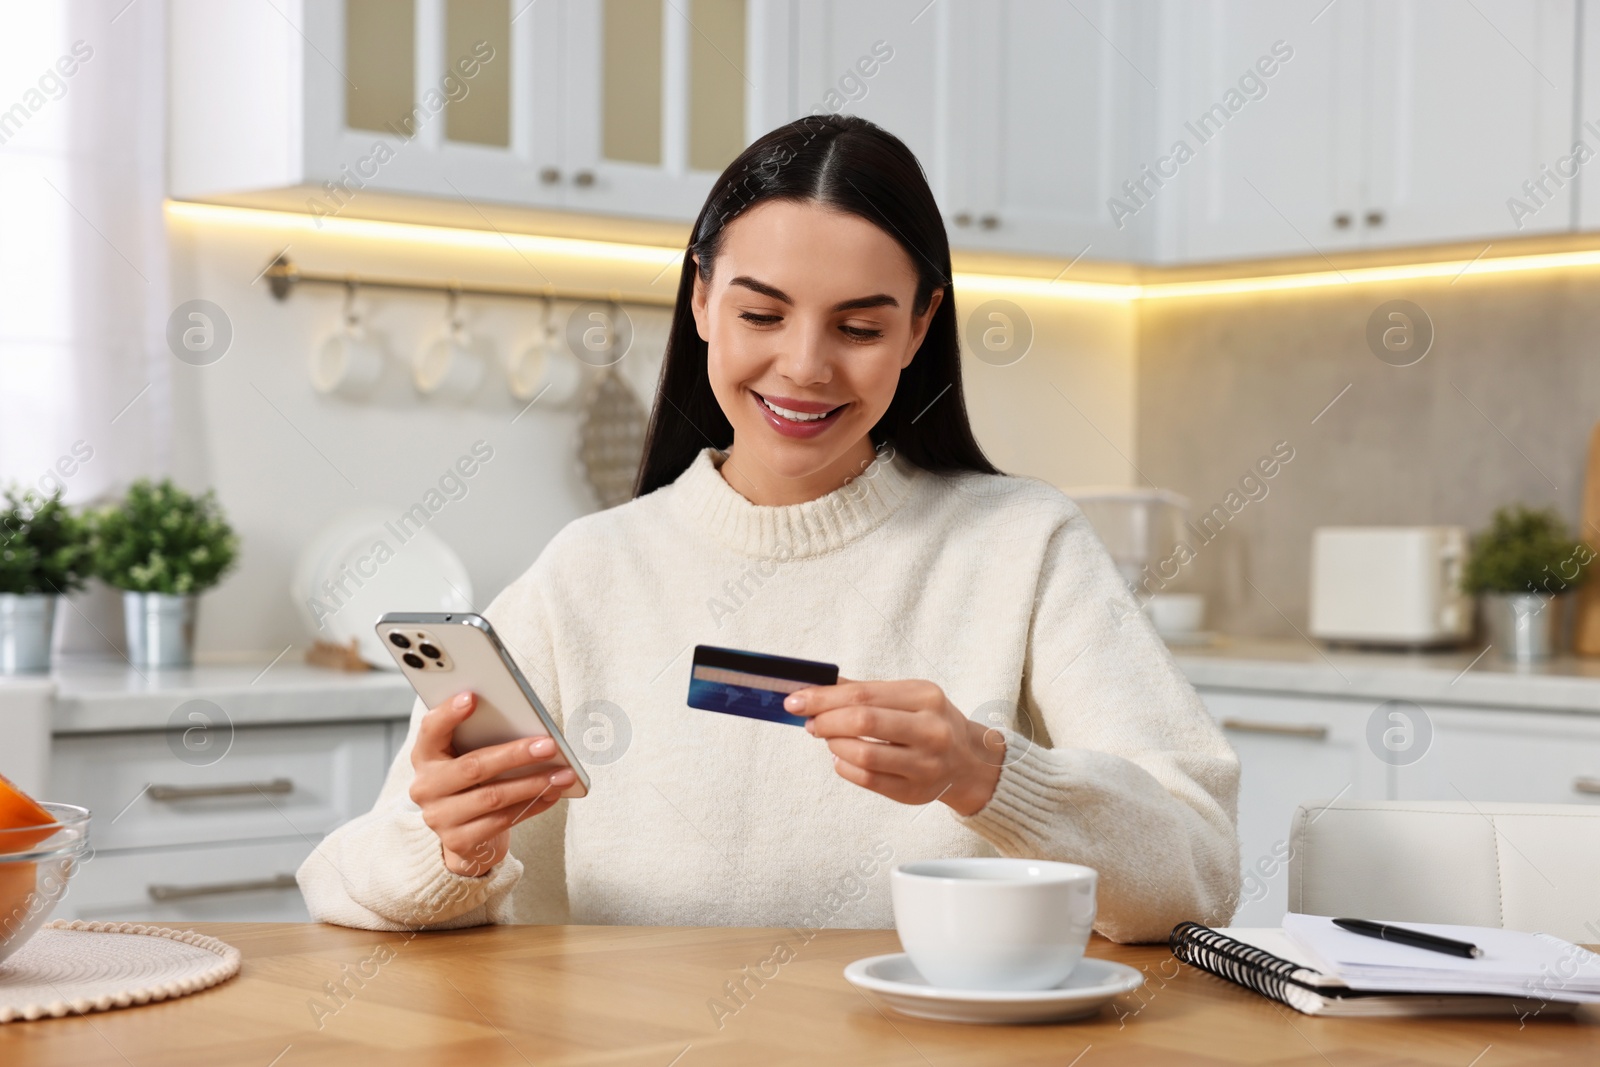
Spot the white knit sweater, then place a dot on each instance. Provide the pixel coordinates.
(992, 586)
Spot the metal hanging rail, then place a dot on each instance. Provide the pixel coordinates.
(283, 276)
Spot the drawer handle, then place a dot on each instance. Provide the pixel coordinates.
(186, 792)
(186, 892)
(1586, 784)
(1281, 729)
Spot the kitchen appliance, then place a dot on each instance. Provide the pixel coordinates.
(1389, 585)
(1139, 527)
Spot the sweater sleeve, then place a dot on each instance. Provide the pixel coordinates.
(384, 870)
(1116, 763)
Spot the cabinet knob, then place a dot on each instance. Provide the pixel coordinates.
(1374, 218)
(1341, 221)
(962, 219)
(1586, 785)
(989, 222)
(550, 175)
(583, 179)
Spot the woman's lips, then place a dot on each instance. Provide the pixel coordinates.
(791, 428)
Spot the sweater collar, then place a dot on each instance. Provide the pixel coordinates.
(793, 531)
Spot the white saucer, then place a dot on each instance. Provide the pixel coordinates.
(1091, 986)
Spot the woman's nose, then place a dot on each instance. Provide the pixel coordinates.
(805, 359)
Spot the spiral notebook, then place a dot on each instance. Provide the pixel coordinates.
(1270, 962)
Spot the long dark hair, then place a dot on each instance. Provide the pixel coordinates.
(848, 164)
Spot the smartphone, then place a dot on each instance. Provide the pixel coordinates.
(445, 654)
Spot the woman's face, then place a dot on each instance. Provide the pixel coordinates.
(809, 311)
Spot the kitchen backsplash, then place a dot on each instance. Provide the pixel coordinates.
(1498, 410)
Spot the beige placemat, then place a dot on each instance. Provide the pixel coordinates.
(75, 967)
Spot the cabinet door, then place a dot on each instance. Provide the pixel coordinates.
(1045, 101)
(1291, 750)
(1468, 102)
(1510, 756)
(1259, 129)
(887, 61)
(660, 96)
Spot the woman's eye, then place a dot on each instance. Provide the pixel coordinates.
(759, 319)
(861, 333)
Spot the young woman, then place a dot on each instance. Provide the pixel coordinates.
(811, 487)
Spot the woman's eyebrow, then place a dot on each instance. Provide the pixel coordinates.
(877, 300)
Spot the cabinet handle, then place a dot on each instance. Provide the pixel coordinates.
(550, 175)
(186, 892)
(963, 219)
(186, 792)
(583, 179)
(1374, 218)
(1586, 784)
(1281, 729)
(989, 222)
(1341, 221)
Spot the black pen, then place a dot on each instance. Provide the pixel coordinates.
(1415, 938)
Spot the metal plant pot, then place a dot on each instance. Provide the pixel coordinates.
(159, 628)
(1524, 627)
(26, 622)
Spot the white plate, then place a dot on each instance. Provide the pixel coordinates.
(418, 573)
(1091, 986)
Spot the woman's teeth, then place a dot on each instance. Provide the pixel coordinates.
(797, 416)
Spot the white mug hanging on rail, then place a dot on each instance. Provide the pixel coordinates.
(350, 362)
(451, 365)
(544, 370)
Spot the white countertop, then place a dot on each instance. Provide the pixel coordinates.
(1458, 678)
(95, 695)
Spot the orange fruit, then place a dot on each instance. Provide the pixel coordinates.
(18, 883)
(18, 811)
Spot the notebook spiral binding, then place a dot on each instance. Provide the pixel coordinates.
(1254, 968)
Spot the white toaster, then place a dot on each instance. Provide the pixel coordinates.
(1394, 585)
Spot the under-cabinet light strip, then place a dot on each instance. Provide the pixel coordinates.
(662, 258)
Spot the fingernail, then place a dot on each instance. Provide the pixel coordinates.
(809, 724)
(462, 700)
(794, 702)
(563, 777)
(542, 746)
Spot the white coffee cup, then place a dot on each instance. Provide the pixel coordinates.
(993, 922)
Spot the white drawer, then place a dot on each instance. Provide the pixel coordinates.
(274, 781)
(227, 883)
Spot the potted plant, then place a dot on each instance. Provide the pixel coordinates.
(1521, 567)
(162, 547)
(43, 554)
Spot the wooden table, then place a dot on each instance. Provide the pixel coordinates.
(641, 995)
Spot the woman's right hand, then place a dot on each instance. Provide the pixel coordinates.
(471, 814)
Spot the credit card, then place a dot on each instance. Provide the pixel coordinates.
(752, 684)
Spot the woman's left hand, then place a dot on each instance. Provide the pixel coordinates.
(925, 750)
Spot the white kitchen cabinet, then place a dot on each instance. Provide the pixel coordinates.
(1398, 122)
(888, 61)
(621, 107)
(1291, 749)
(229, 883)
(1045, 100)
(1468, 102)
(1493, 756)
(268, 782)
(1260, 120)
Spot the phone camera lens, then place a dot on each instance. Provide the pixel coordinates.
(428, 650)
(399, 640)
(413, 660)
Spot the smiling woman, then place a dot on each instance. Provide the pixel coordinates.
(810, 476)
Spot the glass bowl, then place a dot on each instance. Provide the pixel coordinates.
(36, 862)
